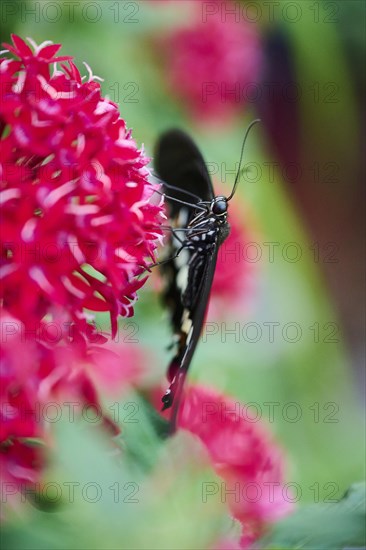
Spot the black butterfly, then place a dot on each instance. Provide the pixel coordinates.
(198, 229)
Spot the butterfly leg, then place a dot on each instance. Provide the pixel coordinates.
(169, 259)
(174, 230)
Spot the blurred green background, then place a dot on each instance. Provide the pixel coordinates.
(320, 209)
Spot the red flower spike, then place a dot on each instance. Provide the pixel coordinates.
(77, 213)
(79, 226)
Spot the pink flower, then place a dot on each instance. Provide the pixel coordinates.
(242, 454)
(37, 378)
(211, 60)
(227, 544)
(78, 222)
(21, 460)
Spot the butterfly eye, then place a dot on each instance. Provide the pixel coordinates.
(219, 207)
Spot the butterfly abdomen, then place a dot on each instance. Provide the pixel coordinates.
(223, 233)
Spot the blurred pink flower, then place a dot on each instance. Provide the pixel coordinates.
(20, 459)
(212, 59)
(78, 223)
(37, 379)
(242, 453)
(227, 544)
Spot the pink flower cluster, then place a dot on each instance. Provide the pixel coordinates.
(78, 225)
(36, 379)
(211, 61)
(77, 221)
(243, 455)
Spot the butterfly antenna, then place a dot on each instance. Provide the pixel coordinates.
(241, 158)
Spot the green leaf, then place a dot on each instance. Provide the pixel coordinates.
(33, 442)
(323, 527)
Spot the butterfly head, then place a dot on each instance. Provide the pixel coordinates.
(218, 208)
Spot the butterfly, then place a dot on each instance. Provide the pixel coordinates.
(199, 225)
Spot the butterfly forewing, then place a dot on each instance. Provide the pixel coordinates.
(178, 162)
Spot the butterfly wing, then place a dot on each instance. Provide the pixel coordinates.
(188, 277)
(178, 162)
